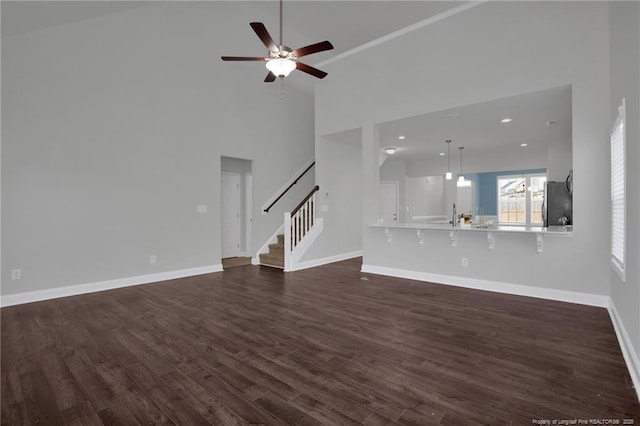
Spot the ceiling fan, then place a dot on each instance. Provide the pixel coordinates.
(281, 59)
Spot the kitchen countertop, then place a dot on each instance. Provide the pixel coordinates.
(566, 231)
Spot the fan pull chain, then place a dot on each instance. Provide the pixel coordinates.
(282, 89)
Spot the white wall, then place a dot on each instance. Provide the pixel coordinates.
(425, 196)
(112, 133)
(493, 50)
(625, 83)
(340, 182)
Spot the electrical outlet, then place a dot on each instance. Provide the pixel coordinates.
(152, 259)
(201, 208)
(16, 274)
(465, 262)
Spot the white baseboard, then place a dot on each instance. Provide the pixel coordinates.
(73, 290)
(326, 260)
(495, 286)
(628, 352)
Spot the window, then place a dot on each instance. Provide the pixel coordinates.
(618, 193)
(520, 199)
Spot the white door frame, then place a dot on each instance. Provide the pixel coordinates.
(248, 213)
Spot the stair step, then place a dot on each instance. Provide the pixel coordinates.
(275, 257)
(276, 247)
(272, 260)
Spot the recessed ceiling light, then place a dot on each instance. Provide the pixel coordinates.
(523, 144)
(402, 137)
(442, 153)
(506, 120)
(390, 150)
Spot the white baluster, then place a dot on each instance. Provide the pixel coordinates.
(304, 219)
(298, 227)
(313, 209)
(294, 231)
(287, 239)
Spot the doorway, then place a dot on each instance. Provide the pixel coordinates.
(230, 214)
(389, 202)
(236, 205)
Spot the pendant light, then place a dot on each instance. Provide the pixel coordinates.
(460, 176)
(448, 175)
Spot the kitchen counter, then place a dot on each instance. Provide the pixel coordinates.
(566, 231)
(489, 230)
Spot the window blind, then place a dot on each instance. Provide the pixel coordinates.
(618, 192)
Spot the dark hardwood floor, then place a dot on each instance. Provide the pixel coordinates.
(329, 345)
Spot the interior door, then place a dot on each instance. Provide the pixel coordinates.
(389, 202)
(230, 206)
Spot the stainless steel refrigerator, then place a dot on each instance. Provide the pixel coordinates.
(558, 203)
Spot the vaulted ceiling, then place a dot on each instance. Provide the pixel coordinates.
(347, 24)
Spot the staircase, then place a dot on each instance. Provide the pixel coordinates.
(275, 256)
(300, 229)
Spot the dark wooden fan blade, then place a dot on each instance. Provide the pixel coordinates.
(243, 58)
(263, 34)
(313, 48)
(271, 77)
(310, 70)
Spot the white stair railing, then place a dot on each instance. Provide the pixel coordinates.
(297, 225)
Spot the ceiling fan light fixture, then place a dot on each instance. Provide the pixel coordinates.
(281, 60)
(281, 67)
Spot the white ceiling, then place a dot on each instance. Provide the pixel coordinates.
(478, 128)
(347, 24)
(20, 17)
